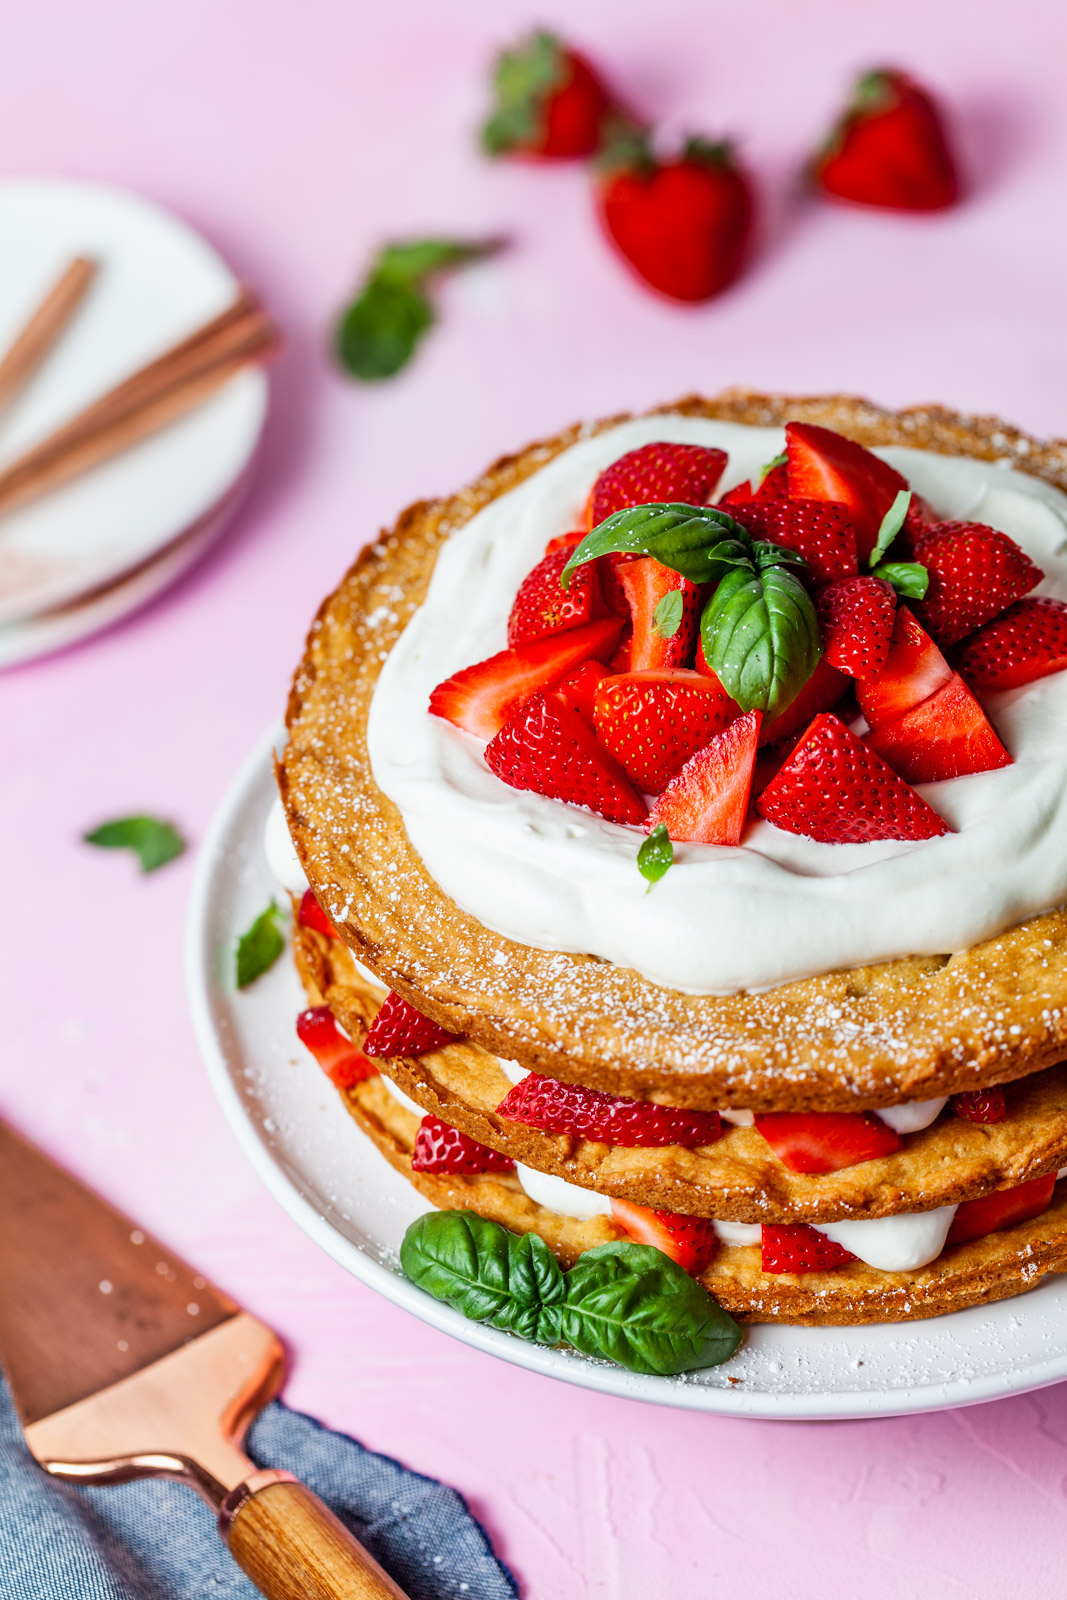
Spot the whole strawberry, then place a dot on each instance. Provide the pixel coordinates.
(889, 148)
(682, 225)
(551, 104)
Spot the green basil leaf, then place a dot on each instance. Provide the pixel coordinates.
(700, 542)
(511, 1281)
(779, 461)
(761, 637)
(667, 617)
(767, 554)
(153, 842)
(892, 523)
(909, 578)
(379, 331)
(656, 855)
(634, 1305)
(521, 79)
(259, 948)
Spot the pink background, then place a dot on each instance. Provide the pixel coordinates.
(297, 135)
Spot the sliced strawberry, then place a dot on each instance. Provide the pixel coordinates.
(548, 747)
(823, 690)
(440, 1148)
(690, 1241)
(707, 802)
(542, 606)
(824, 465)
(580, 686)
(975, 572)
(826, 1141)
(652, 722)
(1004, 1208)
(334, 1051)
(818, 530)
(834, 789)
(645, 583)
(914, 670)
(1026, 642)
(945, 736)
(800, 1248)
(981, 1105)
(684, 473)
(773, 485)
(889, 148)
(400, 1030)
(558, 1107)
(565, 541)
(313, 916)
(481, 698)
(856, 617)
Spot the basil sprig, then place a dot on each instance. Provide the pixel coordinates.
(759, 630)
(656, 855)
(152, 841)
(909, 578)
(377, 334)
(625, 1302)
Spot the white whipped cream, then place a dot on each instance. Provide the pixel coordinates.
(740, 1233)
(556, 1194)
(894, 1244)
(913, 1114)
(781, 907)
(280, 852)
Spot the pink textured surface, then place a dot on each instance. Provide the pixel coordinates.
(297, 135)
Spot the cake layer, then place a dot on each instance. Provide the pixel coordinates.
(738, 1178)
(907, 1029)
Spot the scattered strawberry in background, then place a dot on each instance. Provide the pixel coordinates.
(551, 104)
(889, 149)
(684, 224)
(690, 1241)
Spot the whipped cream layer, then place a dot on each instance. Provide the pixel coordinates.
(780, 907)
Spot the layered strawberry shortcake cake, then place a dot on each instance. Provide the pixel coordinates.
(682, 808)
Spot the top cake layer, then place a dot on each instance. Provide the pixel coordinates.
(781, 907)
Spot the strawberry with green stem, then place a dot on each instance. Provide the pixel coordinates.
(550, 103)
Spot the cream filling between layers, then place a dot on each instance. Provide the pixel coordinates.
(781, 907)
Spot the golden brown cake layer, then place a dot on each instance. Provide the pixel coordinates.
(848, 1041)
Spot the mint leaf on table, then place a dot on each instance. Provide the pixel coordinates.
(909, 578)
(656, 855)
(891, 525)
(625, 1302)
(152, 841)
(259, 947)
(378, 333)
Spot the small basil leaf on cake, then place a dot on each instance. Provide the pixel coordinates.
(699, 542)
(761, 637)
(656, 855)
(482, 1269)
(667, 616)
(259, 947)
(152, 841)
(634, 1305)
(778, 461)
(909, 578)
(891, 525)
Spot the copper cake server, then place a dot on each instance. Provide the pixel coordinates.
(124, 1363)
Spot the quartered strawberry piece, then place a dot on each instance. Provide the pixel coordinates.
(547, 747)
(313, 916)
(1004, 1208)
(652, 722)
(773, 485)
(565, 541)
(826, 1141)
(824, 465)
(707, 802)
(551, 103)
(1026, 642)
(334, 1051)
(645, 583)
(558, 1107)
(542, 606)
(796, 1247)
(856, 617)
(441, 1148)
(400, 1030)
(661, 472)
(836, 790)
(946, 736)
(481, 698)
(579, 688)
(889, 149)
(914, 670)
(981, 1105)
(823, 690)
(690, 1241)
(975, 572)
(818, 530)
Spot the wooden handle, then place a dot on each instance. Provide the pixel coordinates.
(293, 1547)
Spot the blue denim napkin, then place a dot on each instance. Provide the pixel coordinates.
(157, 1541)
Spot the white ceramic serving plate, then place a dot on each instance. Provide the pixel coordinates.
(158, 281)
(333, 1182)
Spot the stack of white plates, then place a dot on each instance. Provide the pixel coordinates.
(76, 560)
